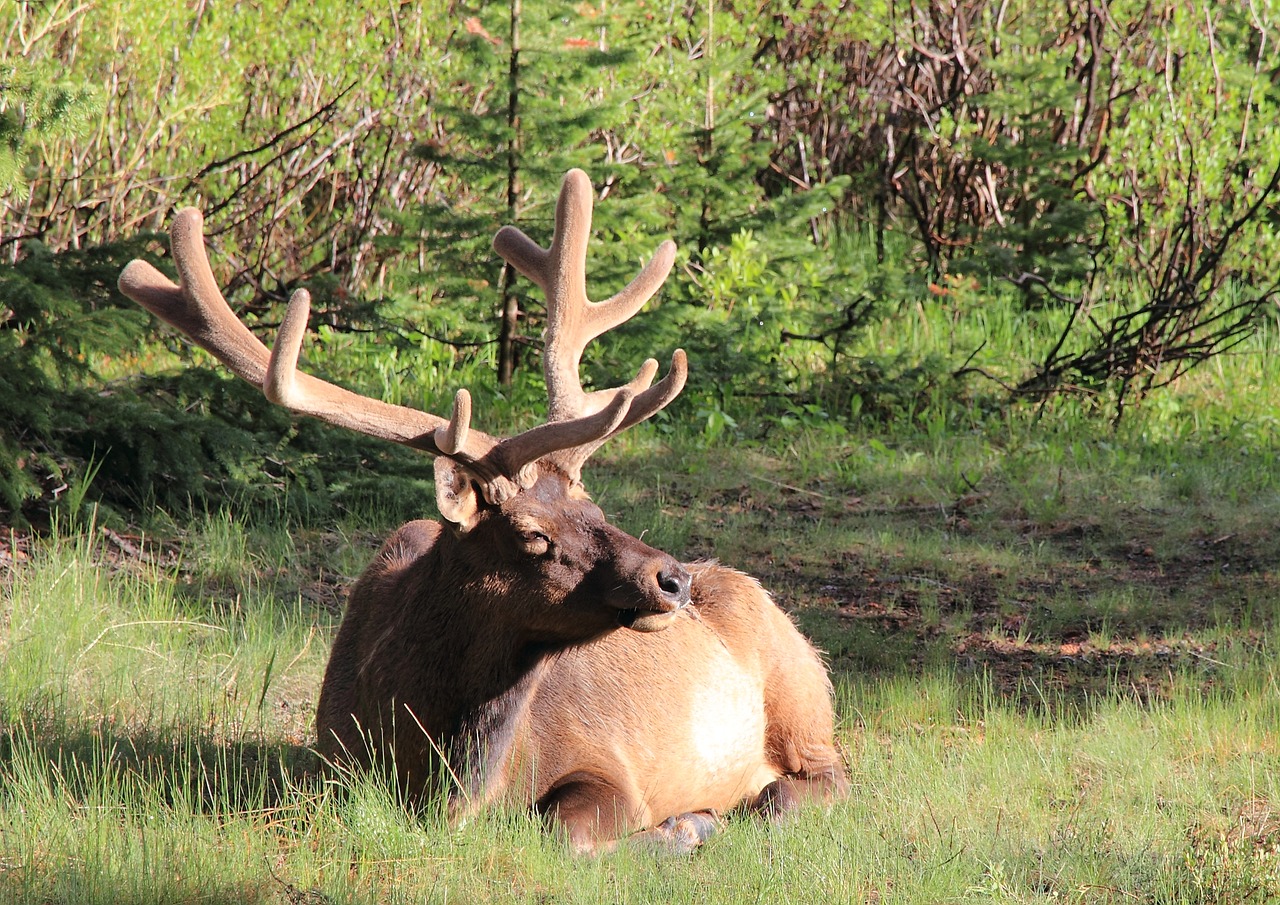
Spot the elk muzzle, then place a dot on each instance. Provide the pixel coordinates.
(664, 585)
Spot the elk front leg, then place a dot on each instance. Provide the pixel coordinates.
(799, 730)
(596, 816)
(786, 793)
(801, 746)
(591, 811)
(679, 835)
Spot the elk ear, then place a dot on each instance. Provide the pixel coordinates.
(456, 495)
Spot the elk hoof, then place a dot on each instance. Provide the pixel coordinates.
(684, 833)
(776, 801)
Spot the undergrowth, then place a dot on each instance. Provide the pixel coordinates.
(1052, 641)
(1053, 650)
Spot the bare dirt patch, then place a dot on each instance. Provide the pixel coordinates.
(1105, 606)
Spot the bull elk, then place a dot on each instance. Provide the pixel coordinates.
(524, 651)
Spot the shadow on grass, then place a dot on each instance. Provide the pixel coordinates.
(71, 890)
(1058, 682)
(1052, 633)
(178, 769)
(110, 816)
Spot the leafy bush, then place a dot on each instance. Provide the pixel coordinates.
(1094, 176)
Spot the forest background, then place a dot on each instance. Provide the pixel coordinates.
(1081, 196)
(979, 298)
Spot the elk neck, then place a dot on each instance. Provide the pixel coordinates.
(463, 620)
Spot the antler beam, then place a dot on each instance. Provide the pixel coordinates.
(578, 421)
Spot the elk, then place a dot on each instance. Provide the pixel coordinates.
(523, 651)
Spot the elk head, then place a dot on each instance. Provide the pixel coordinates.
(519, 515)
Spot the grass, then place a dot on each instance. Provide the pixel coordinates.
(1053, 646)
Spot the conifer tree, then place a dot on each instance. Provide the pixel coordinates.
(522, 102)
(33, 105)
(667, 114)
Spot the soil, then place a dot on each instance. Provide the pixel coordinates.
(1051, 636)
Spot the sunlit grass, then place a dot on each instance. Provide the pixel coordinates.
(157, 719)
(1053, 643)
(956, 796)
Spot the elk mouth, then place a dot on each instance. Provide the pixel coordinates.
(645, 620)
(664, 590)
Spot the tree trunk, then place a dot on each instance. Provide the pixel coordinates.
(510, 303)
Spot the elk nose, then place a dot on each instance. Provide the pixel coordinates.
(674, 582)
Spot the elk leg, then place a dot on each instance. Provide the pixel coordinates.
(590, 811)
(596, 816)
(799, 729)
(786, 793)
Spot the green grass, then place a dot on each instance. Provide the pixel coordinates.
(1053, 644)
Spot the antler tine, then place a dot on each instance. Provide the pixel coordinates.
(572, 319)
(280, 385)
(454, 439)
(656, 398)
(197, 308)
(644, 406)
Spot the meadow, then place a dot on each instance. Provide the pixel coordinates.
(1052, 623)
(1053, 644)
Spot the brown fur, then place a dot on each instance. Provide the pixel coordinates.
(525, 647)
(515, 667)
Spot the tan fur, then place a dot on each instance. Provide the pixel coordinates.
(606, 730)
(525, 650)
(690, 718)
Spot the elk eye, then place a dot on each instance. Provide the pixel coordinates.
(535, 543)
